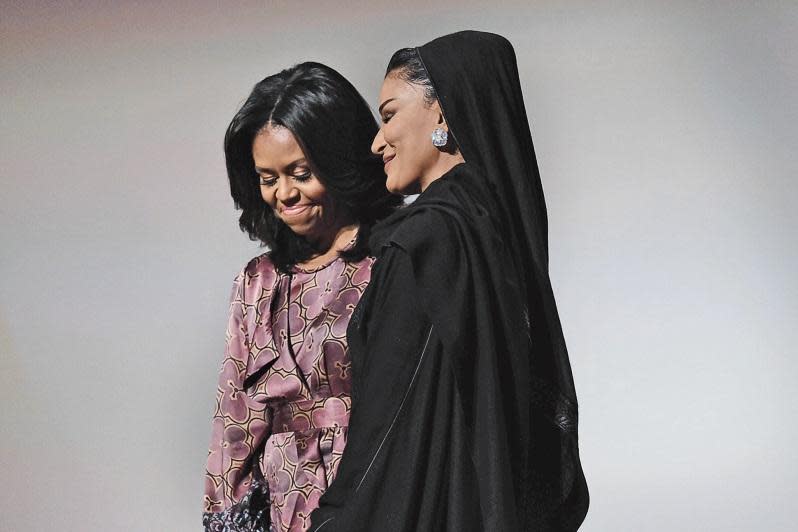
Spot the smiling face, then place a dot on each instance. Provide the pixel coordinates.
(289, 186)
(403, 141)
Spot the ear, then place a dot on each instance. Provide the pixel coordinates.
(436, 107)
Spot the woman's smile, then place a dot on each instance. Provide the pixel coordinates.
(295, 210)
(386, 160)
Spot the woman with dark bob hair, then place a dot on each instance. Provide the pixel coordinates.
(301, 172)
(464, 411)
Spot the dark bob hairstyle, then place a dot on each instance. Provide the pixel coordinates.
(335, 128)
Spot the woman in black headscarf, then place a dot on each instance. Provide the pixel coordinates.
(464, 411)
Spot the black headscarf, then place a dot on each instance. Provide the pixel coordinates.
(476, 79)
(475, 75)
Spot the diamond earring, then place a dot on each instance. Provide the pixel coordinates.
(439, 137)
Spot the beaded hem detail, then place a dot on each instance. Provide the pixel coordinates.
(251, 514)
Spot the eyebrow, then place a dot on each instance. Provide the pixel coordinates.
(383, 104)
(290, 166)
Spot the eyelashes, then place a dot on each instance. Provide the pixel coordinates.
(271, 181)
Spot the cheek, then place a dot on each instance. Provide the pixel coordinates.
(417, 149)
(316, 192)
(388, 134)
(419, 136)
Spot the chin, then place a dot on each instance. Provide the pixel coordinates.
(303, 228)
(401, 186)
(390, 184)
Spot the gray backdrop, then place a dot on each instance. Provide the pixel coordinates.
(666, 135)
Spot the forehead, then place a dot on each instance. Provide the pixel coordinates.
(395, 87)
(275, 146)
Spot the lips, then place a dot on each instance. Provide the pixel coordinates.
(387, 160)
(295, 210)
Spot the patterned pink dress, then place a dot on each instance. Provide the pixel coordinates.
(283, 400)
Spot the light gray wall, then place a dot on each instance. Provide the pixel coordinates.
(666, 135)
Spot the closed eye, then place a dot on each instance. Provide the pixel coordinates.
(267, 181)
(305, 176)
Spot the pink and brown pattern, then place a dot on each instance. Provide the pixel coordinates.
(283, 399)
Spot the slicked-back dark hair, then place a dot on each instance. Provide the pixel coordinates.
(407, 65)
(335, 128)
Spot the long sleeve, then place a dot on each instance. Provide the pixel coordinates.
(236, 496)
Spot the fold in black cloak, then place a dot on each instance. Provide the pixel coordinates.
(464, 413)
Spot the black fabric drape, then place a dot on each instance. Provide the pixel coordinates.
(464, 412)
(476, 77)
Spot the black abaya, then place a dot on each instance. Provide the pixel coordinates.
(464, 414)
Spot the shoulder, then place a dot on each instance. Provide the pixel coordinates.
(435, 227)
(257, 266)
(256, 275)
(426, 230)
(456, 199)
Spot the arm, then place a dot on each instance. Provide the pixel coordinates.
(236, 495)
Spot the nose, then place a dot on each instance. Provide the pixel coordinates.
(286, 192)
(378, 145)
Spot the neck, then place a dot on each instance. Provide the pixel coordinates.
(331, 243)
(445, 162)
